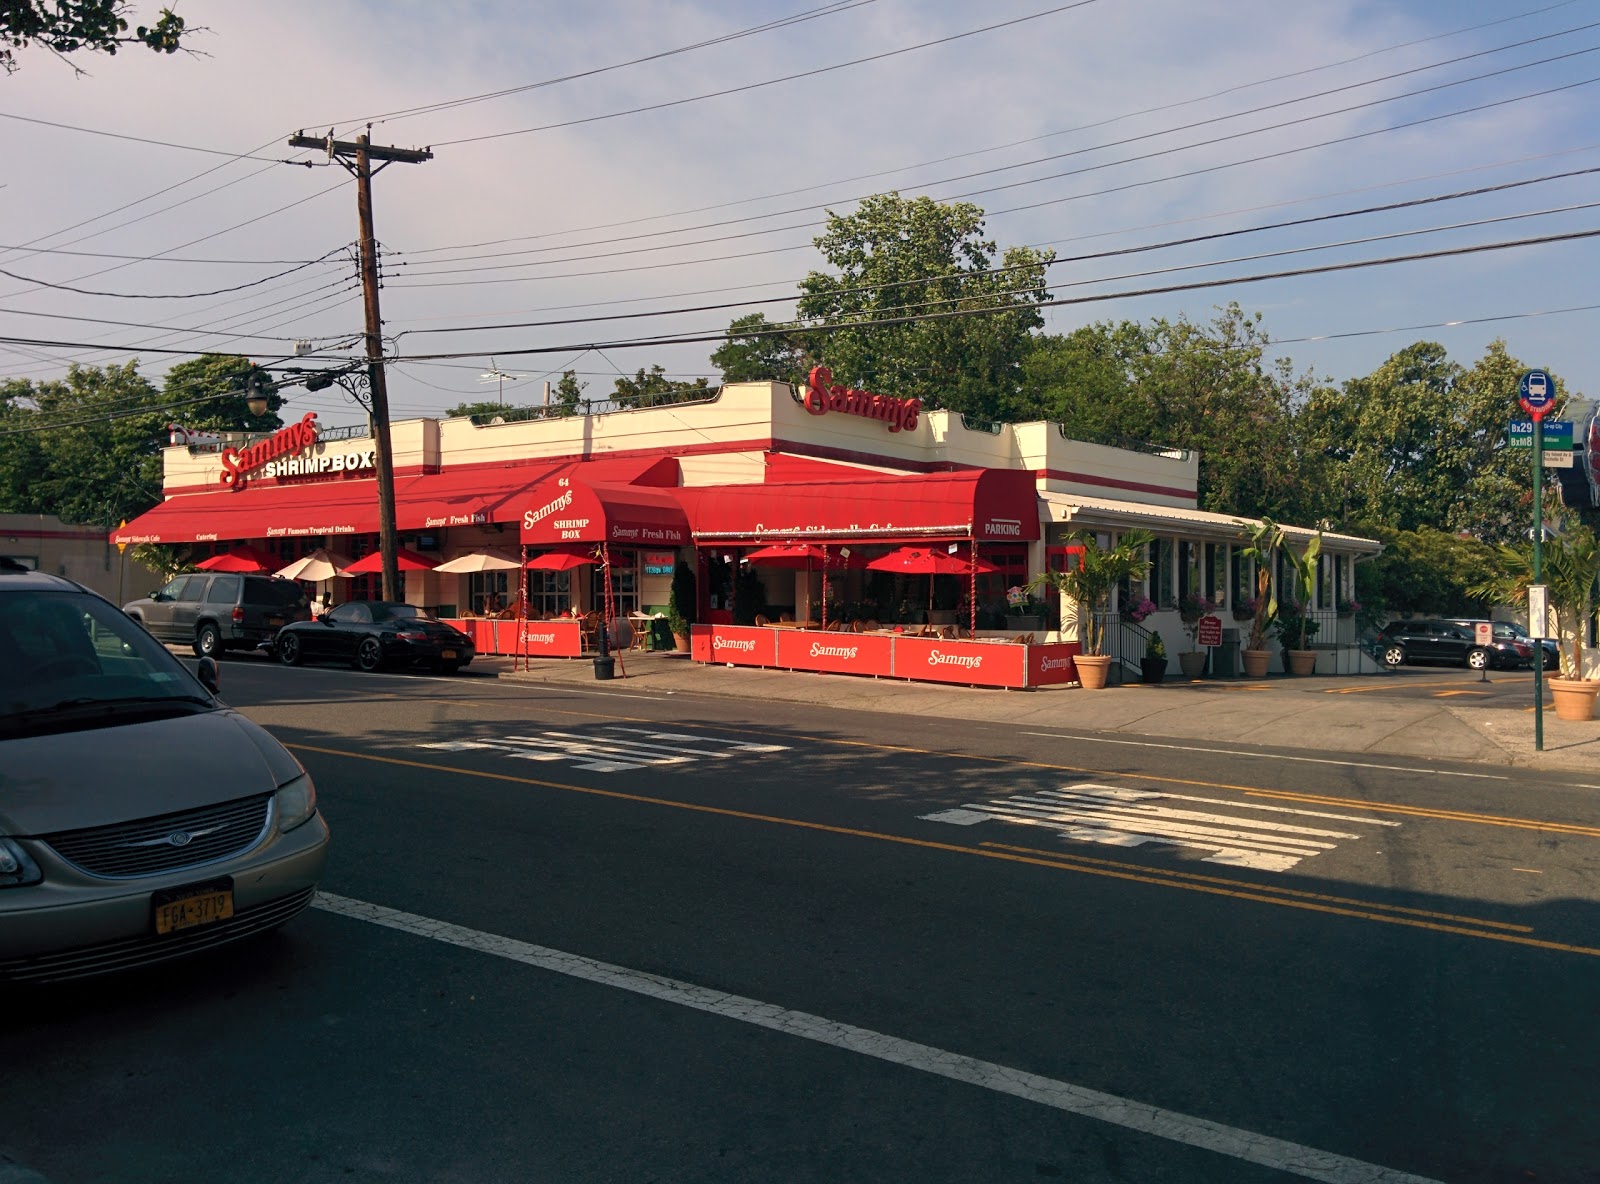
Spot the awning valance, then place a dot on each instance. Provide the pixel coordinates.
(986, 504)
(569, 509)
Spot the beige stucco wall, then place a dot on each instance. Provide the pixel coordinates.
(81, 553)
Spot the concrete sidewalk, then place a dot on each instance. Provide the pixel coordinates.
(1349, 713)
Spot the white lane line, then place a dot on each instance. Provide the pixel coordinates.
(1095, 802)
(1268, 756)
(1123, 794)
(733, 745)
(1235, 1142)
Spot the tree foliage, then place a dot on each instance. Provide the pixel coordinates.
(653, 386)
(70, 26)
(87, 447)
(757, 350)
(898, 257)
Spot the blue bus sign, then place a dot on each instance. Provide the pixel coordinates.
(1536, 392)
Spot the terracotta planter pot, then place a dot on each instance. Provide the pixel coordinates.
(1574, 697)
(1301, 662)
(1092, 670)
(1256, 663)
(1152, 670)
(680, 643)
(1193, 664)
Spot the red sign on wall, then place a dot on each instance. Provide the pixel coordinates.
(1210, 632)
(821, 397)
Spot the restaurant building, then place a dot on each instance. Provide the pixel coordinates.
(709, 481)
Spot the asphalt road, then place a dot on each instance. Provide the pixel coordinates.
(575, 934)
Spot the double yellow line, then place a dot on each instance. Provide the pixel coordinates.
(1082, 865)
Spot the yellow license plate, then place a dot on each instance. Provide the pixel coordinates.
(274, 620)
(201, 907)
(447, 654)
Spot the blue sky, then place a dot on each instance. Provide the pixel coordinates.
(601, 211)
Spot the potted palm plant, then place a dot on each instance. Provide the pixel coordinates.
(1571, 566)
(1086, 594)
(1266, 537)
(1297, 629)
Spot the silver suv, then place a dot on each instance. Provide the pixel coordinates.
(220, 611)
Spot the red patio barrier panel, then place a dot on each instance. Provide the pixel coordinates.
(1052, 663)
(744, 645)
(835, 653)
(542, 639)
(932, 659)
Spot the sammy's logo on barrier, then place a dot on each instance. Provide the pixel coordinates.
(818, 650)
(539, 638)
(970, 661)
(746, 644)
(1054, 663)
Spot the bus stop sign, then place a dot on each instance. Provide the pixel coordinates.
(1536, 392)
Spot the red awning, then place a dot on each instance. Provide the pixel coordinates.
(426, 501)
(986, 504)
(569, 509)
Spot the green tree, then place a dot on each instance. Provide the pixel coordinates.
(759, 351)
(898, 257)
(1427, 571)
(210, 392)
(1422, 442)
(68, 26)
(489, 408)
(653, 386)
(569, 393)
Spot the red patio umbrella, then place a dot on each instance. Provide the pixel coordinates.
(802, 557)
(929, 561)
(560, 561)
(241, 559)
(405, 559)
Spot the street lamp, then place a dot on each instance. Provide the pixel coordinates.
(258, 389)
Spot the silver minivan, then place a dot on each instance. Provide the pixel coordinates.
(141, 819)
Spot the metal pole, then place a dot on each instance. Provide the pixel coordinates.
(1538, 573)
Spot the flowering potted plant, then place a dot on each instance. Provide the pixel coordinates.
(1192, 606)
(1022, 610)
(1153, 666)
(1348, 607)
(1245, 611)
(1137, 610)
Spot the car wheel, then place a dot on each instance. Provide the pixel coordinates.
(289, 651)
(1477, 659)
(207, 642)
(1394, 655)
(369, 654)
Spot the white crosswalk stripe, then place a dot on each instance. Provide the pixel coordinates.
(612, 748)
(1121, 817)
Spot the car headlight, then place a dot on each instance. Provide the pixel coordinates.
(297, 801)
(16, 868)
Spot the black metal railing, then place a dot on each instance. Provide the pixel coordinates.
(598, 406)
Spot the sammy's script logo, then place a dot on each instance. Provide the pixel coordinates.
(818, 650)
(238, 463)
(822, 397)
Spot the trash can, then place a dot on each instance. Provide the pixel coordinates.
(1225, 658)
(660, 634)
(605, 666)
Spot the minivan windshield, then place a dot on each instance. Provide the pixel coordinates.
(71, 656)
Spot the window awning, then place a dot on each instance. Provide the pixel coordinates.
(987, 504)
(571, 509)
(464, 496)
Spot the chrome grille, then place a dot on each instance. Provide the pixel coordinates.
(155, 846)
(130, 953)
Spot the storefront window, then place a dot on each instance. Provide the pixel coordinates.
(486, 591)
(1164, 593)
(1242, 577)
(624, 585)
(1216, 568)
(549, 593)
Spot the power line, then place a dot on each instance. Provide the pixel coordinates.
(1023, 183)
(1505, 316)
(148, 259)
(1056, 302)
(877, 57)
(1140, 248)
(1191, 126)
(767, 26)
(1188, 102)
(171, 295)
(69, 127)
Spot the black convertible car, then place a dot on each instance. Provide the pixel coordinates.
(372, 634)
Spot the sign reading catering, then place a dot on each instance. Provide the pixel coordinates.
(239, 463)
(821, 397)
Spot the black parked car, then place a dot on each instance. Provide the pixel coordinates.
(372, 634)
(217, 611)
(1449, 641)
(1550, 646)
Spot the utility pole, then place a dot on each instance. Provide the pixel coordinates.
(357, 157)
